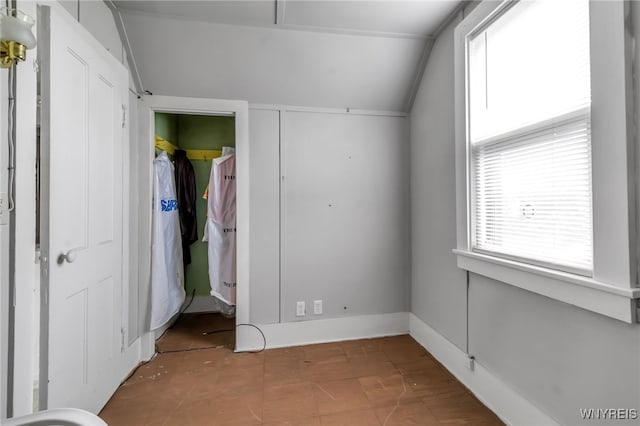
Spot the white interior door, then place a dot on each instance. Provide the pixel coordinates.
(85, 99)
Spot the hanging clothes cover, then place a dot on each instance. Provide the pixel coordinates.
(167, 270)
(186, 196)
(220, 229)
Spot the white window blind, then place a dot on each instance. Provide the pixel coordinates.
(529, 135)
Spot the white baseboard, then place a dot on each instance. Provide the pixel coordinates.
(322, 331)
(512, 408)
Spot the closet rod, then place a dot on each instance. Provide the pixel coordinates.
(165, 145)
(203, 154)
(192, 154)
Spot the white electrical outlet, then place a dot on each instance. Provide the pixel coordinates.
(300, 309)
(317, 307)
(4, 209)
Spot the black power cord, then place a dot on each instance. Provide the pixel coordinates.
(206, 333)
(264, 339)
(159, 352)
(193, 294)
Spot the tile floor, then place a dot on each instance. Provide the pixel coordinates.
(389, 381)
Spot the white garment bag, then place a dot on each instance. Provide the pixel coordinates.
(220, 229)
(167, 273)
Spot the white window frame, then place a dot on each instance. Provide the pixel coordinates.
(613, 289)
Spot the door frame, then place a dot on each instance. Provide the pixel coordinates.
(26, 261)
(148, 105)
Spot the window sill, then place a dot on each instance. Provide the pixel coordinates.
(612, 301)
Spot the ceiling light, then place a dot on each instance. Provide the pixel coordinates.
(15, 36)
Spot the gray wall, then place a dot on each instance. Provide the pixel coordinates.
(559, 357)
(345, 214)
(134, 223)
(438, 289)
(264, 218)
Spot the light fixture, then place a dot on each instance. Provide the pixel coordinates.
(15, 36)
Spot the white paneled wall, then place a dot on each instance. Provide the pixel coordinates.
(339, 231)
(345, 214)
(264, 222)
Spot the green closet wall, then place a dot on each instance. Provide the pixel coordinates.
(197, 132)
(167, 126)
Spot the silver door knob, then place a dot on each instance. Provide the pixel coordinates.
(68, 257)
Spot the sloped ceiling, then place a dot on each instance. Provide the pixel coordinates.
(338, 53)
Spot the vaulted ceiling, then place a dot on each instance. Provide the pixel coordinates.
(381, 17)
(331, 53)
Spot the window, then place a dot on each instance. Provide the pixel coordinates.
(546, 184)
(529, 99)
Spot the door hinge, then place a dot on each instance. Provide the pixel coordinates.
(124, 116)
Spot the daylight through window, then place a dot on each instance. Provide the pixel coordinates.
(529, 139)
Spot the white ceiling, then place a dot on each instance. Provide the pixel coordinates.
(413, 18)
(359, 54)
(395, 17)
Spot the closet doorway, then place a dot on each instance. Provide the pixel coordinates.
(201, 127)
(195, 143)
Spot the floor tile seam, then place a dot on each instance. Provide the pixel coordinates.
(437, 421)
(301, 384)
(372, 410)
(402, 401)
(315, 399)
(369, 357)
(320, 380)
